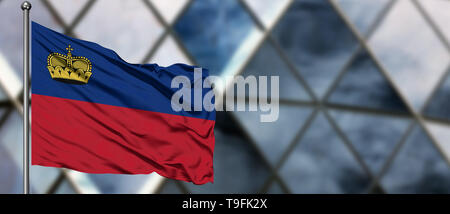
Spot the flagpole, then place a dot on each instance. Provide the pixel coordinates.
(26, 7)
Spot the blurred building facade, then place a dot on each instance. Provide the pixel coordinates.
(364, 90)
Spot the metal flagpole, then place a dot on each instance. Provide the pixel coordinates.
(26, 7)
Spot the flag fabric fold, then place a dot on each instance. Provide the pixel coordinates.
(93, 112)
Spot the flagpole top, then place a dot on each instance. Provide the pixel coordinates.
(26, 5)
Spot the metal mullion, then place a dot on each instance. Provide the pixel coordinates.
(56, 183)
(266, 31)
(165, 25)
(54, 13)
(79, 17)
(373, 27)
(169, 28)
(155, 47)
(438, 120)
(287, 152)
(436, 29)
(273, 172)
(350, 146)
(387, 163)
(435, 90)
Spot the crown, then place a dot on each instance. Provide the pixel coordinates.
(68, 68)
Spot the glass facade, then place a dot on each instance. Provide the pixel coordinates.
(364, 90)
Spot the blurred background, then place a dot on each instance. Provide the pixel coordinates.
(364, 90)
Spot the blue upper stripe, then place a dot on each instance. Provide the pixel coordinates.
(113, 81)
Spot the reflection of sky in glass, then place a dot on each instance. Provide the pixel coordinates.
(316, 40)
(362, 12)
(416, 59)
(363, 85)
(125, 28)
(213, 30)
(373, 137)
(113, 183)
(321, 163)
(274, 138)
(231, 152)
(268, 63)
(418, 168)
(439, 106)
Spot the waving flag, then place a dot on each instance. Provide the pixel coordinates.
(93, 112)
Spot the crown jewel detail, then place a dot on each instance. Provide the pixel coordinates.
(68, 68)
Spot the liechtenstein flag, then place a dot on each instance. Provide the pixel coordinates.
(93, 112)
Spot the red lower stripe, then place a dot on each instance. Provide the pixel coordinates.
(98, 138)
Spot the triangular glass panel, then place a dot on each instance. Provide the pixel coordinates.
(316, 40)
(374, 137)
(417, 168)
(364, 86)
(322, 163)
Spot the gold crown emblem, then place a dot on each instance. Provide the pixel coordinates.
(68, 68)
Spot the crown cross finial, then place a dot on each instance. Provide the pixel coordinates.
(69, 49)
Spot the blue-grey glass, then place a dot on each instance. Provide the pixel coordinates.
(374, 137)
(363, 85)
(321, 163)
(65, 188)
(10, 176)
(170, 187)
(362, 13)
(316, 40)
(11, 29)
(418, 168)
(274, 138)
(439, 106)
(411, 52)
(11, 138)
(237, 167)
(275, 188)
(42, 178)
(116, 183)
(212, 31)
(267, 62)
